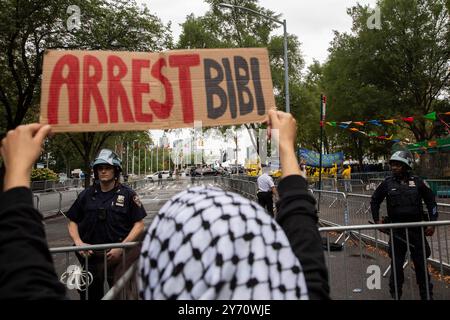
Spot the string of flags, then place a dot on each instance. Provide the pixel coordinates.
(432, 116)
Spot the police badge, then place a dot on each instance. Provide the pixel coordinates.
(120, 200)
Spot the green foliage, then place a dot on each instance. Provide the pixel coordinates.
(43, 174)
(30, 27)
(403, 69)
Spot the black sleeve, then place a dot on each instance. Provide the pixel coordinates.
(137, 211)
(377, 198)
(76, 212)
(298, 218)
(428, 197)
(26, 268)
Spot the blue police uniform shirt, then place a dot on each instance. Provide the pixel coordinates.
(106, 217)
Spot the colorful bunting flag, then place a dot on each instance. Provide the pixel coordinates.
(375, 123)
(331, 123)
(359, 123)
(354, 130)
(391, 121)
(408, 119)
(431, 116)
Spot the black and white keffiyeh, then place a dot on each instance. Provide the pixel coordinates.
(206, 243)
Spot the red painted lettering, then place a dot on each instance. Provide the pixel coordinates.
(72, 80)
(162, 110)
(184, 62)
(90, 88)
(139, 88)
(116, 91)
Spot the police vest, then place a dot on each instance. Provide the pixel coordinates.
(404, 203)
(105, 222)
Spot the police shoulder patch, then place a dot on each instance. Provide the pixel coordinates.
(137, 200)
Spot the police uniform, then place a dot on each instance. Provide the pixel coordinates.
(404, 204)
(104, 217)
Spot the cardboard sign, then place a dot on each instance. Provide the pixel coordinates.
(120, 91)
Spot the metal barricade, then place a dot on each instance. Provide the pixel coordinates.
(351, 185)
(366, 176)
(332, 205)
(359, 270)
(76, 278)
(244, 187)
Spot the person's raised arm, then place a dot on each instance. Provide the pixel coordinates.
(27, 270)
(297, 215)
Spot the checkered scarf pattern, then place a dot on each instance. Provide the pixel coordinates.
(206, 243)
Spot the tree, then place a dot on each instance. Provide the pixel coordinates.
(403, 69)
(30, 27)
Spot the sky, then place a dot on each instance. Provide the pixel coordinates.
(312, 21)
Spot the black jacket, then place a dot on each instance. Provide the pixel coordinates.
(404, 199)
(298, 217)
(26, 266)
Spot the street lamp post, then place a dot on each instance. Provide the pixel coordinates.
(286, 67)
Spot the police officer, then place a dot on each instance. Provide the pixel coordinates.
(404, 193)
(106, 212)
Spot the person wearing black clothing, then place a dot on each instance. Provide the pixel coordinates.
(26, 266)
(297, 213)
(404, 193)
(106, 212)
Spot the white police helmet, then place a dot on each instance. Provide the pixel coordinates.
(404, 157)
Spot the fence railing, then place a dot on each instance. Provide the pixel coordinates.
(50, 185)
(73, 271)
(245, 187)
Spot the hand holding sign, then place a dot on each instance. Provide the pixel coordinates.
(286, 127)
(20, 149)
(115, 91)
